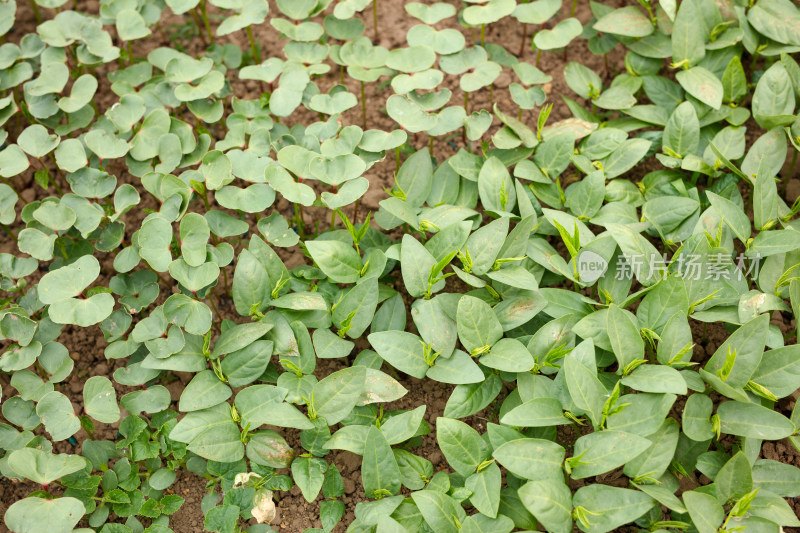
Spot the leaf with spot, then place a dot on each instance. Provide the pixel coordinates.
(40, 515)
(702, 84)
(100, 400)
(58, 415)
(627, 21)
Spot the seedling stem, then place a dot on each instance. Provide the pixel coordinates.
(253, 46)
(363, 107)
(375, 19)
(204, 14)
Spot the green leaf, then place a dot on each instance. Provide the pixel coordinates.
(534, 459)
(748, 343)
(251, 284)
(276, 230)
(13, 161)
(379, 470)
(735, 479)
(328, 345)
(282, 181)
(508, 355)
(734, 81)
(458, 369)
(644, 414)
(244, 366)
(550, 501)
(779, 478)
(441, 512)
(491, 11)
(702, 84)
(222, 519)
(625, 157)
(131, 25)
(539, 412)
(56, 216)
(100, 400)
(477, 324)
(697, 417)
(468, 399)
(656, 378)
(705, 512)
(203, 391)
(733, 217)
(309, 474)
(58, 415)
(430, 14)
(192, 315)
(610, 507)
(83, 89)
(435, 326)
(339, 261)
(239, 336)
(769, 243)
(415, 265)
(36, 141)
(624, 336)
(753, 421)
(655, 460)
(583, 80)
(585, 389)
(401, 427)
(777, 19)
(68, 281)
(485, 244)
(585, 198)
(350, 438)
(779, 371)
(769, 150)
(409, 115)
(414, 177)
(485, 486)
(42, 467)
(627, 21)
(221, 443)
(8, 201)
(336, 395)
(194, 234)
(256, 402)
(39, 515)
(688, 35)
(774, 99)
(402, 350)
(495, 188)
(155, 237)
(682, 132)
(461, 445)
(560, 36)
(604, 451)
(150, 400)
